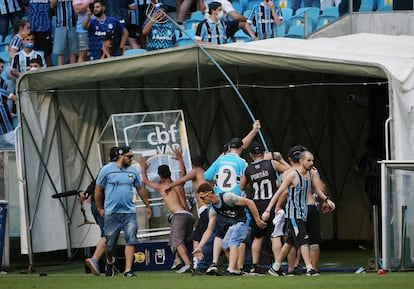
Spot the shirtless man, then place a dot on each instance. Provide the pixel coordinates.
(182, 220)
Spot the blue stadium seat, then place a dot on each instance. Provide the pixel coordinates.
(246, 13)
(191, 24)
(5, 42)
(281, 30)
(297, 31)
(287, 13)
(385, 5)
(367, 5)
(186, 38)
(134, 51)
(251, 4)
(197, 15)
(238, 6)
(331, 11)
(241, 36)
(299, 18)
(324, 20)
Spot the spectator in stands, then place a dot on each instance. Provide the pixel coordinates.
(20, 61)
(65, 32)
(344, 6)
(40, 26)
(119, 9)
(98, 26)
(182, 8)
(265, 16)
(35, 64)
(10, 12)
(81, 9)
(160, 31)
(238, 21)
(21, 27)
(6, 121)
(212, 30)
(296, 4)
(141, 8)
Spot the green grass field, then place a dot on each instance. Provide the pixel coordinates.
(72, 275)
(171, 280)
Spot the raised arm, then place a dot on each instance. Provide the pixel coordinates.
(247, 140)
(145, 180)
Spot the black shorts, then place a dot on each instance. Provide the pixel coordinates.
(299, 239)
(267, 231)
(231, 28)
(313, 225)
(43, 41)
(133, 31)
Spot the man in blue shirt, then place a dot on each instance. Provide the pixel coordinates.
(159, 30)
(119, 179)
(98, 26)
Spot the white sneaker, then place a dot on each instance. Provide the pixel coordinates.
(184, 269)
(177, 264)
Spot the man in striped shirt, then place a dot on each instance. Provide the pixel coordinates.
(212, 30)
(10, 12)
(65, 35)
(265, 16)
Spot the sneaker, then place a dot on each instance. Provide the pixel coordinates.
(129, 274)
(256, 271)
(197, 272)
(212, 269)
(109, 269)
(295, 272)
(93, 265)
(276, 273)
(177, 264)
(184, 269)
(228, 273)
(312, 272)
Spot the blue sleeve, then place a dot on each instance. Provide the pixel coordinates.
(211, 171)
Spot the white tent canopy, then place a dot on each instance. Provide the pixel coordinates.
(288, 83)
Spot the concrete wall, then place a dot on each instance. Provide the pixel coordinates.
(388, 23)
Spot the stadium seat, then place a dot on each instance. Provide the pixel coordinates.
(385, 5)
(5, 42)
(197, 15)
(281, 30)
(251, 4)
(331, 11)
(186, 38)
(241, 36)
(299, 18)
(238, 6)
(134, 51)
(191, 24)
(367, 5)
(324, 20)
(246, 13)
(287, 13)
(296, 31)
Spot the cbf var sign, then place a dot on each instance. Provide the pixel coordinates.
(152, 135)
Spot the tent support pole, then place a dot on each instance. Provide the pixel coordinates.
(246, 106)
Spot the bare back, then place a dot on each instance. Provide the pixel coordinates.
(174, 199)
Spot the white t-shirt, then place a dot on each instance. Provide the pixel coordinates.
(225, 4)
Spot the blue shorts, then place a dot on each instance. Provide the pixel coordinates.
(100, 221)
(65, 37)
(235, 235)
(113, 225)
(83, 41)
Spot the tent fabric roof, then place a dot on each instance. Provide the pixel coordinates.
(369, 55)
